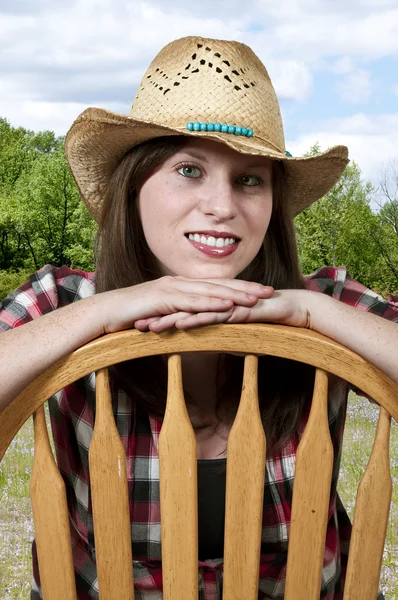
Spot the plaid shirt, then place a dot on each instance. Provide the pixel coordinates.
(72, 417)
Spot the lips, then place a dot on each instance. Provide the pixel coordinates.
(216, 234)
(214, 251)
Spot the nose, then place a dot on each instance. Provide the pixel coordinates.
(217, 200)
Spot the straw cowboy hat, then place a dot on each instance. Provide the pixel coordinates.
(214, 89)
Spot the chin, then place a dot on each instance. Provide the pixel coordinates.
(212, 272)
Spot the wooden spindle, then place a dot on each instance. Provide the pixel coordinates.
(111, 514)
(370, 519)
(246, 454)
(178, 493)
(311, 494)
(50, 518)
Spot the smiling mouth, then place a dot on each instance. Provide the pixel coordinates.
(216, 240)
(216, 247)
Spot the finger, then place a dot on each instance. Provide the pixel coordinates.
(167, 321)
(196, 293)
(143, 324)
(250, 287)
(194, 303)
(201, 319)
(245, 287)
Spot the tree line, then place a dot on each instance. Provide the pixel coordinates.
(355, 225)
(42, 219)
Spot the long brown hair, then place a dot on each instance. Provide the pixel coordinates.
(124, 259)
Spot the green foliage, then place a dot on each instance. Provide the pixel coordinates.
(42, 219)
(10, 281)
(19, 148)
(333, 231)
(342, 229)
(384, 235)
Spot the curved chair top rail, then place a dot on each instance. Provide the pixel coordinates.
(287, 342)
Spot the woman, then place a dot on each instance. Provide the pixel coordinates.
(195, 197)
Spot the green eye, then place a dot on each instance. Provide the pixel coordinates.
(189, 171)
(249, 180)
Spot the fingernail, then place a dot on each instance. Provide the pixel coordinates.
(227, 301)
(251, 297)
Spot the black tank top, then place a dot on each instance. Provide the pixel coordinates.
(211, 507)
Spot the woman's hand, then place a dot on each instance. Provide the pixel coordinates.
(287, 307)
(369, 335)
(142, 305)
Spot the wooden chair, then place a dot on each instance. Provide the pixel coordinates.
(178, 469)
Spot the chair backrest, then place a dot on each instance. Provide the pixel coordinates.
(178, 470)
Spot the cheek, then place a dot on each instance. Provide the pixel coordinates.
(261, 216)
(160, 215)
(268, 211)
(145, 216)
(151, 208)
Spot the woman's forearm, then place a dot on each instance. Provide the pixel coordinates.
(28, 350)
(370, 336)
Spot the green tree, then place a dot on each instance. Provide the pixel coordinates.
(42, 219)
(335, 230)
(46, 212)
(19, 148)
(385, 230)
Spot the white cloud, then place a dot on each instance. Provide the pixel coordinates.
(292, 79)
(100, 33)
(84, 53)
(69, 55)
(59, 56)
(395, 89)
(312, 29)
(57, 117)
(372, 140)
(343, 65)
(356, 87)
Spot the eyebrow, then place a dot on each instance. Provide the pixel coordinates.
(195, 154)
(203, 157)
(257, 165)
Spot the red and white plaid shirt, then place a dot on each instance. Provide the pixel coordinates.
(72, 417)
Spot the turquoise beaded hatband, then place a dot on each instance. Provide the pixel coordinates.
(223, 128)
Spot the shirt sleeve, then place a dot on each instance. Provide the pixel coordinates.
(47, 289)
(337, 283)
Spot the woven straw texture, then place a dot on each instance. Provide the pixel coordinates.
(197, 79)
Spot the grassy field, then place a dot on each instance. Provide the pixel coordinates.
(16, 531)
(358, 440)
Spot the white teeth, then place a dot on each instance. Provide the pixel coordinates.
(211, 240)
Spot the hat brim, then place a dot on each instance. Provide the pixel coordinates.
(98, 140)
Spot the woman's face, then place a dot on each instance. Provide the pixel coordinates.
(206, 209)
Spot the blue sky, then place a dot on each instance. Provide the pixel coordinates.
(326, 99)
(334, 64)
